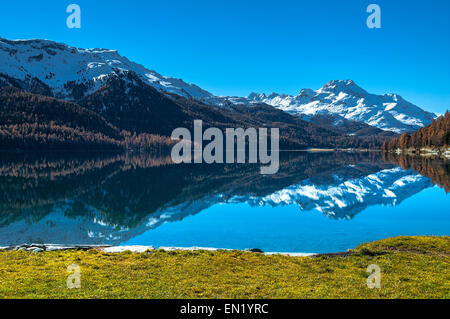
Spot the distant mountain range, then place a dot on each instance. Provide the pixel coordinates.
(133, 98)
(345, 100)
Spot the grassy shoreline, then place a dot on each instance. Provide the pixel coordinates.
(411, 267)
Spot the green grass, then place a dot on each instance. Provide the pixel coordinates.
(411, 267)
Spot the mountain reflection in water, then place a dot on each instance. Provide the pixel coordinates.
(112, 198)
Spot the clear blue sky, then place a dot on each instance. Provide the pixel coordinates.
(236, 47)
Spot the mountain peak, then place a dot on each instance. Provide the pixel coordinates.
(306, 93)
(256, 96)
(334, 83)
(347, 86)
(43, 44)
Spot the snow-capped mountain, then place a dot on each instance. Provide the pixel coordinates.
(345, 99)
(73, 73)
(62, 67)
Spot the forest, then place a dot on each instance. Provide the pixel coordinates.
(36, 122)
(436, 135)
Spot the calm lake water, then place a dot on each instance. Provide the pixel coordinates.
(318, 202)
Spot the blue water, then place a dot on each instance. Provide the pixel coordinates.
(316, 203)
(288, 229)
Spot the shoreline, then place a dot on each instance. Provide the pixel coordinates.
(38, 248)
(443, 153)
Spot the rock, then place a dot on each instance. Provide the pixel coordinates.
(37, 250)
(254, 250)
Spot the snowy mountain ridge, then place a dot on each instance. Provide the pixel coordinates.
(59, 65)
(345, 99)
(73, 73)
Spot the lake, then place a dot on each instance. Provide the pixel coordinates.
(316, 203)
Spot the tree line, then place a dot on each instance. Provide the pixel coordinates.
(37, 122)
(435, 135)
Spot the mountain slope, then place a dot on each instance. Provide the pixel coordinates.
(341, 125)
(131, 104)
(35, 121)
(345, 99)
(73, 73)
(434, 136)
